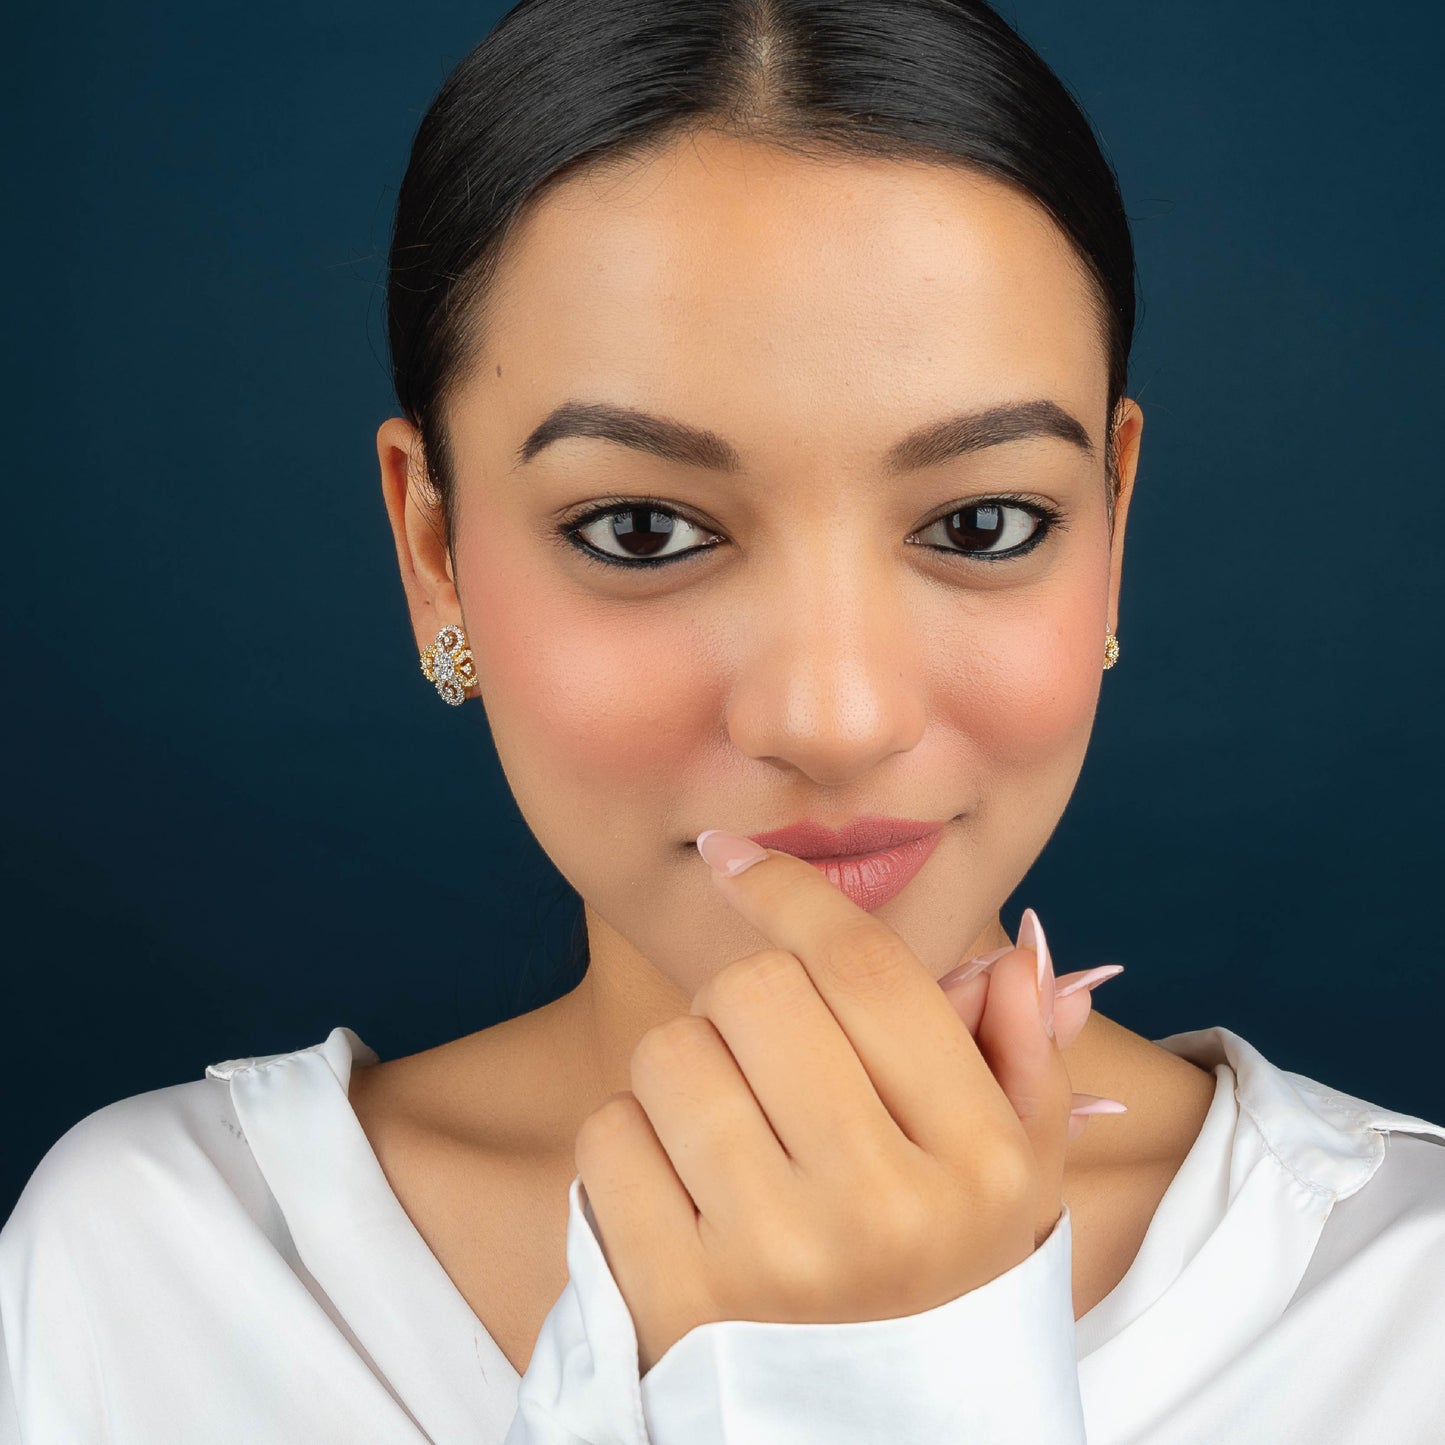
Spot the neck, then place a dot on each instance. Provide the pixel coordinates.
(589, 1034)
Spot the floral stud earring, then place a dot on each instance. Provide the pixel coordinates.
(447, 662)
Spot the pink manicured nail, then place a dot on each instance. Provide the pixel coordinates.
(728, 854)
(974, 966)
(1031, 935)
(1088, 978)
(1097, 1104)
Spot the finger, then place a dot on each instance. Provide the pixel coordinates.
(967, 986)
(1070, 1015)
(802, 1072)
(1027, 1063)
(968, 999)
(635, 1194)
(709, 1123)
(1073, 1000)
(888, 1005)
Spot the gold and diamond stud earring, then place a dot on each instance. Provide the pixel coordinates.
(448, 663)
(1111, 650)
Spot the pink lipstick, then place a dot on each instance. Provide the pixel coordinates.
(871, 859)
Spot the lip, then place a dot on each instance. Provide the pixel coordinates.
(864, 837)
(871, 859)
(871, 880)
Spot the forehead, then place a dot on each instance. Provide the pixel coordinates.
(788, 299)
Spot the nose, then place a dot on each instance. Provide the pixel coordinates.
(828, 669)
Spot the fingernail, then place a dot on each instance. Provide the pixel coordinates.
(726, 853)
(1088, 978)
(966, 971)
(1097, 1104)
(1031, 935)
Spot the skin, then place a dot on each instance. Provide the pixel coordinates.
(812, 665)
(819, 1093)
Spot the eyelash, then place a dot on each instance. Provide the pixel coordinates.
(1048, 516)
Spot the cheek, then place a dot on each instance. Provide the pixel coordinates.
(1030, 692)
(581, 704)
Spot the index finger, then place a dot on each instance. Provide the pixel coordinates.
(923, 1063)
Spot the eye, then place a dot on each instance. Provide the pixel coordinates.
(644, 529)
(997, 527)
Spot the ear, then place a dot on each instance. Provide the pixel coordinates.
(418, 529)
(1129, 430)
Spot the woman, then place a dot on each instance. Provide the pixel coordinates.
(764, 469)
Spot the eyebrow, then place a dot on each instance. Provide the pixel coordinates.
(928, 446)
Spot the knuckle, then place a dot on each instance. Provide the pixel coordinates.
(1004, 1174)
(799, 1265)
(870, 1158)
(864, 953)
(610, 1121)
(670, 1045)
(908, 1224)
(769, 976)
(1033, 1105)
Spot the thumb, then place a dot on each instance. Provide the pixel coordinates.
(1025, 1059)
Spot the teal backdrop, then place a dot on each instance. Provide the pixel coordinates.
(235, 814)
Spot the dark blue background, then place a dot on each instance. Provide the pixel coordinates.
(236, 814)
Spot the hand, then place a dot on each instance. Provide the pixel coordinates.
(1073, 1003)
(820, 1139)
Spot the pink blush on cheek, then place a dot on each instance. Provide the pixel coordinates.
(578, 693)
(1035, 697)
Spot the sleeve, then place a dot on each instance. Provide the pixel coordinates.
(994, 1366)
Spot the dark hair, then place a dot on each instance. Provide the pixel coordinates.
(564, 85)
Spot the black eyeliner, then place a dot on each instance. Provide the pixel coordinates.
(1046, 514)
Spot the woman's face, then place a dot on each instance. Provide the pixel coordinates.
(813, 662)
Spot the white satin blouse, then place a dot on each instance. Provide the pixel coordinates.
(223, 1260)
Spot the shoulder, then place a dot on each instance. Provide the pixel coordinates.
(146, 1242)
(171, 1167)
(1379, 1262)
(144, 1158)
(130, 1206)
(1412, 1176)
(1385, 1231)
(1406, 1193)
(510, 1090)
(1331, 1141)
